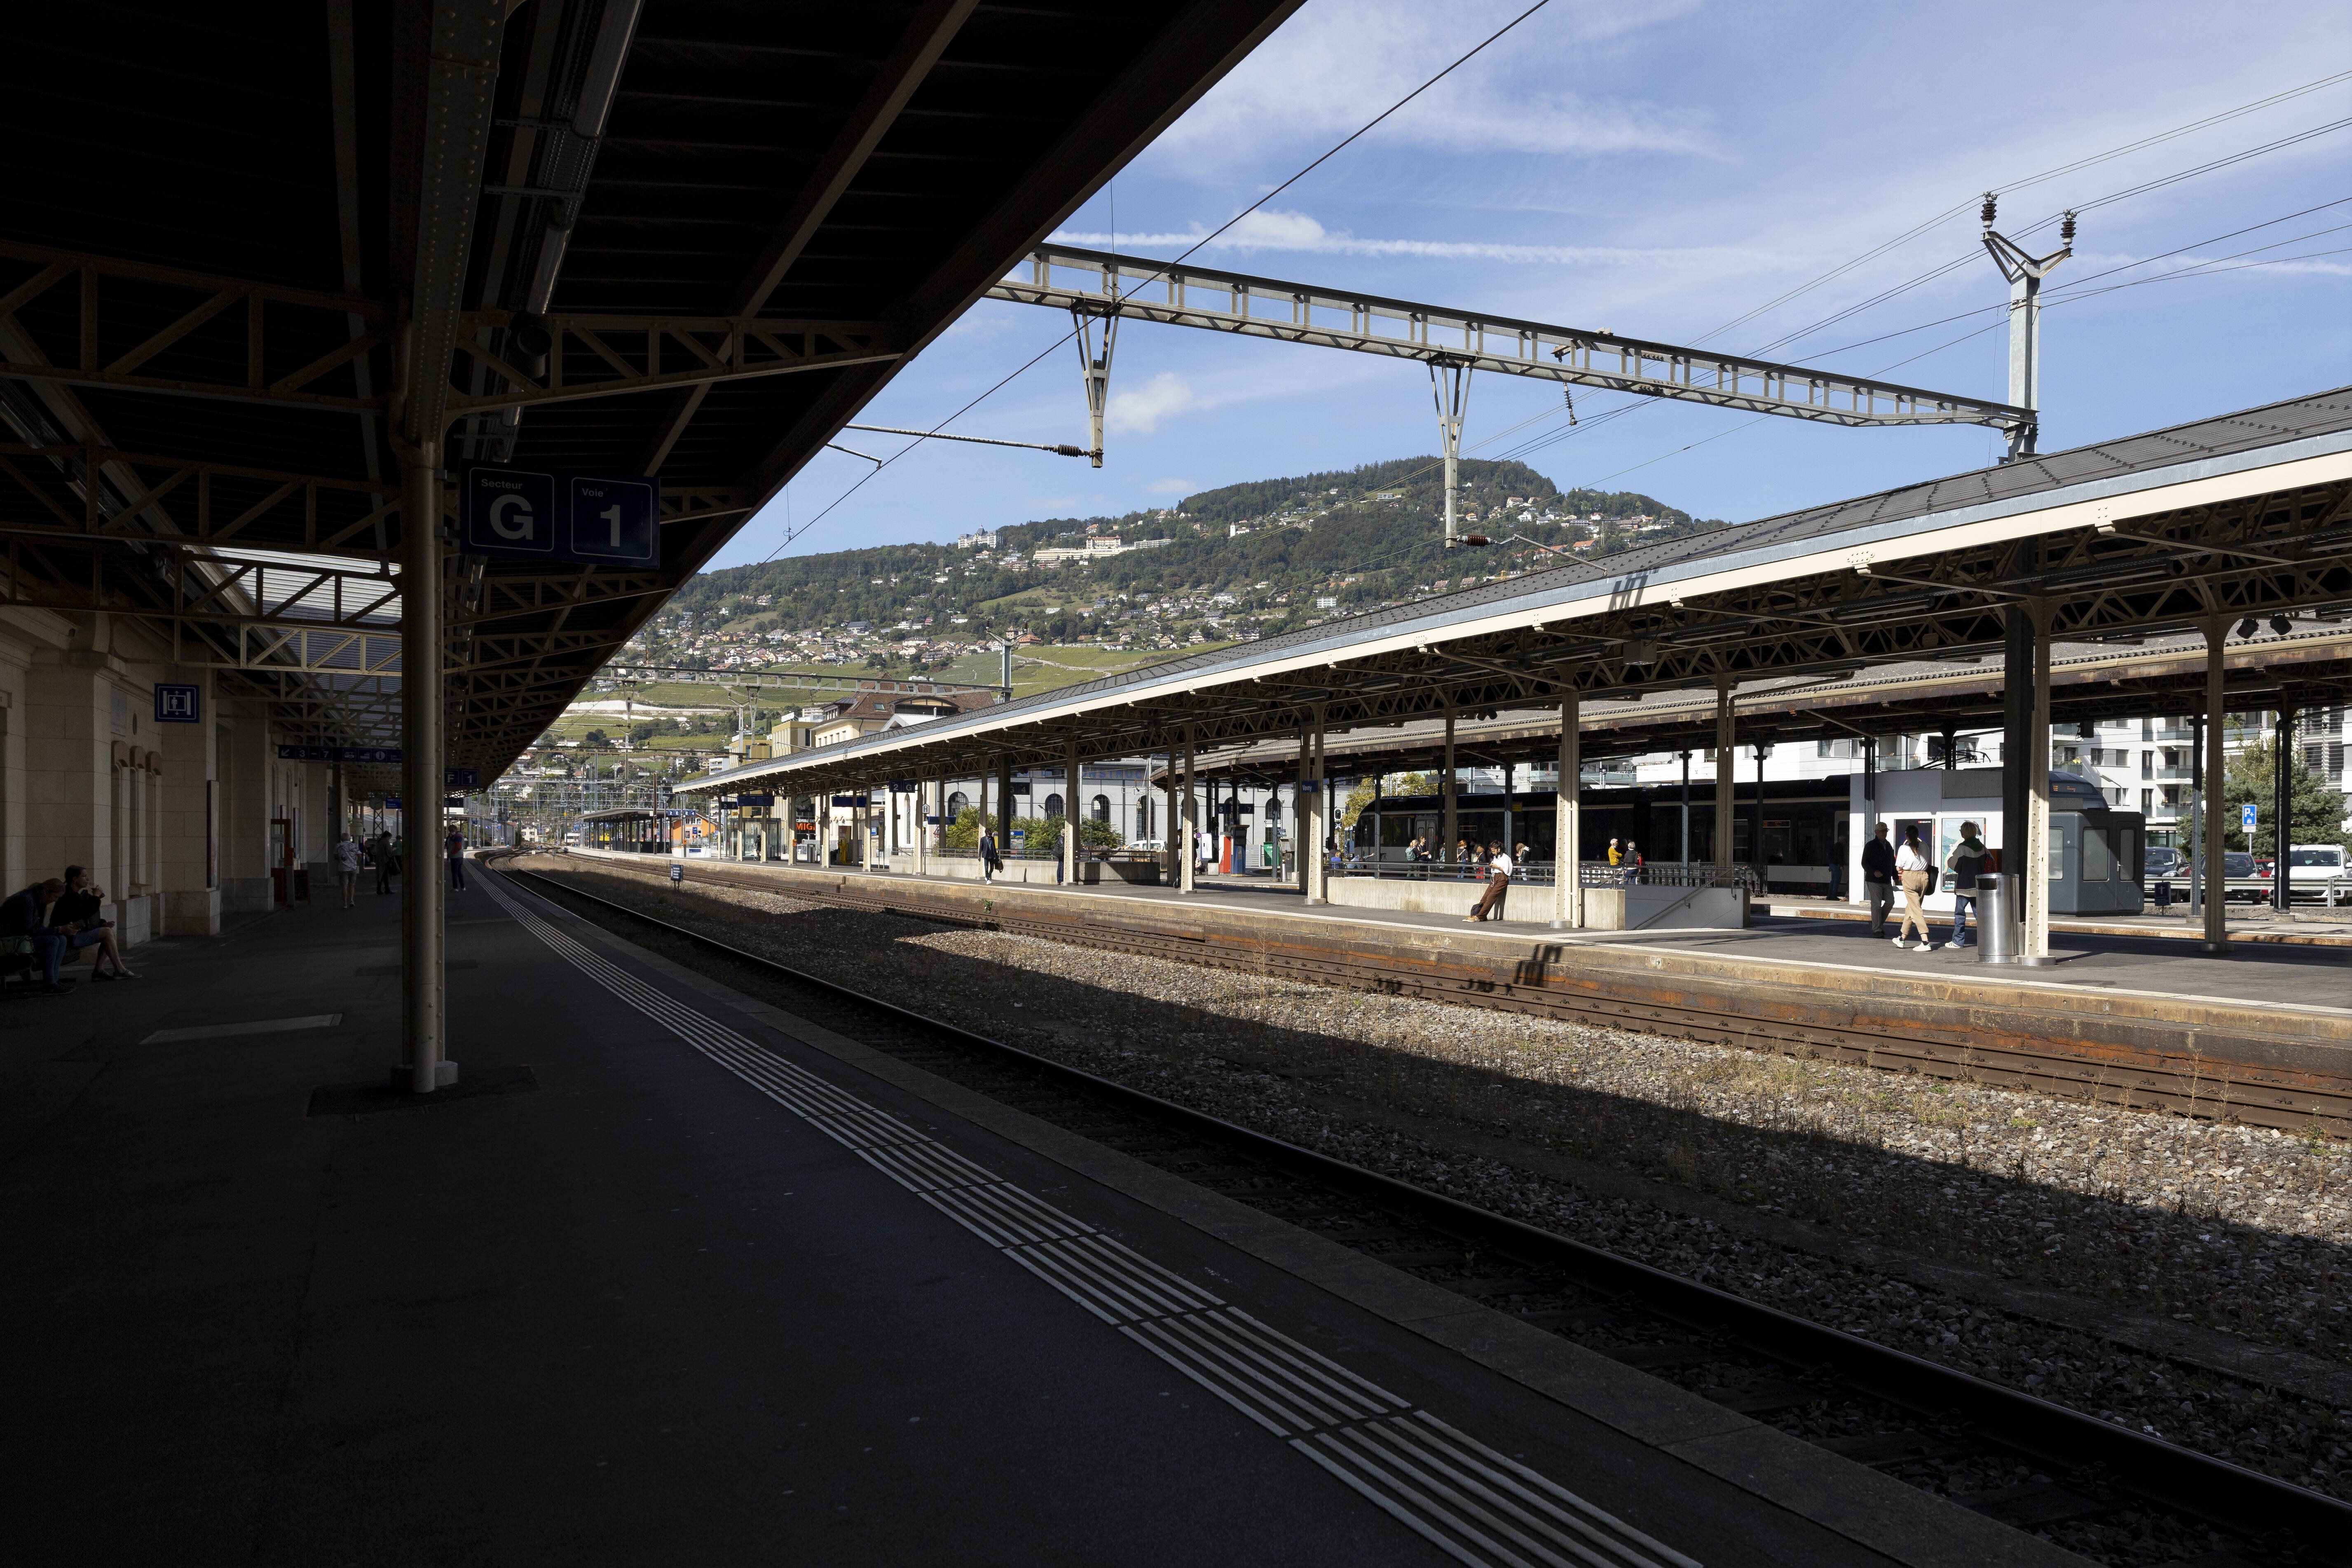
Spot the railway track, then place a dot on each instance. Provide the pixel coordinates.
(2204, 1072)
(2117, 1495)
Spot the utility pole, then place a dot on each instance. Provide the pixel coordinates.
(1449, 386)
(2025, 274)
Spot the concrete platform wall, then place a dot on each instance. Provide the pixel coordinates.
(1604, 907)
(173, 819)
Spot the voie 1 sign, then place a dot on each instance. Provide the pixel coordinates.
(613, 519)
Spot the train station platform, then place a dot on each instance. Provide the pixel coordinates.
(677, 1276)
(1822, 943)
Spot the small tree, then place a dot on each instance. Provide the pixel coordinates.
(2316, 807)
(1363, 794)
(594, 738)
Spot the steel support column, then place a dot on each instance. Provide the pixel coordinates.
(1567, 868)
(1170, 845)
(1004, 804)
(1189, 855)
(1070, 817)
(1727, 768)
(2034, 950)
(2016, 733)
(424, 891)
(1315, 865)
(1446, 832)
(2282, 811)
(2217, 795)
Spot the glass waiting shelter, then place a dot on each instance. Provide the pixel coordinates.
(630, 830)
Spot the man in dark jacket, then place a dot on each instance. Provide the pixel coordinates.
(25, 918)
(1968, 859)
(1878, 879)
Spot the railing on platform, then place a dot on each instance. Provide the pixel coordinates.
(1544, 873)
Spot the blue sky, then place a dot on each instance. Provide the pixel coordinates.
(1662, 170)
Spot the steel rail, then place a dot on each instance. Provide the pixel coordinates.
(2173, 1476)
(2201, 1083)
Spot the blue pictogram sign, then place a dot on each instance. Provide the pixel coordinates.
(179, 704)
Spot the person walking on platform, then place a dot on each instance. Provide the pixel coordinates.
(348, 855)
(1911, 864)
(455, 845)
(1878, 879)
(1499, 878)
(1966, 863)
(990, 863)
(1616, 856)
(380, 854)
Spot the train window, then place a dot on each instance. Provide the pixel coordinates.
(1778, 841)
(2098, 864)
(2057, 854)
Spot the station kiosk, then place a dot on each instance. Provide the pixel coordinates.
(2097, 860)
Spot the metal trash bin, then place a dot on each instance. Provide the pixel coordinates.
(1998, 938)
(2164, 893)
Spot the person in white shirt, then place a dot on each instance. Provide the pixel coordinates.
(1498, 877)
(1917, 872)
(348, 855)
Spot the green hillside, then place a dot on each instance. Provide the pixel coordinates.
(1360, 537)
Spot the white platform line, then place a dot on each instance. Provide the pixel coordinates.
(1369, 1438)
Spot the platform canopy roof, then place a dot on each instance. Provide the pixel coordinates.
(2248, 515)
(247, 251)
(2090, 683)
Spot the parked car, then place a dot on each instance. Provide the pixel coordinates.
(2321, 872)
(2164, 861)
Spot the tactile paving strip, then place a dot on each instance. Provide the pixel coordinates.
(1475, 1504)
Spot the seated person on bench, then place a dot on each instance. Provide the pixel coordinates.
(76, 915)
(24, 919)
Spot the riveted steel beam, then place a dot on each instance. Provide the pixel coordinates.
(1095, 283)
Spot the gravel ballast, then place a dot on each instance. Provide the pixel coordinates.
(2234, 1229)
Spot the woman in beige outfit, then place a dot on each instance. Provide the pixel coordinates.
(1915, 871)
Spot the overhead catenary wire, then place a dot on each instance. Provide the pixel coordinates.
(2063, 293)
(1326, 157)
(2012, 186)
(1551, 437)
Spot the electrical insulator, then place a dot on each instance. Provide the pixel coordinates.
(2066, 230)
(1988, 205)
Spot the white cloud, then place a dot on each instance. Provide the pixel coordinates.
(1139, 411)
(1280, 230)
(1170, 488)
(1328, 68)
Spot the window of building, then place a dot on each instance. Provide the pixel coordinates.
(1100, 810)
(1052, 805)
